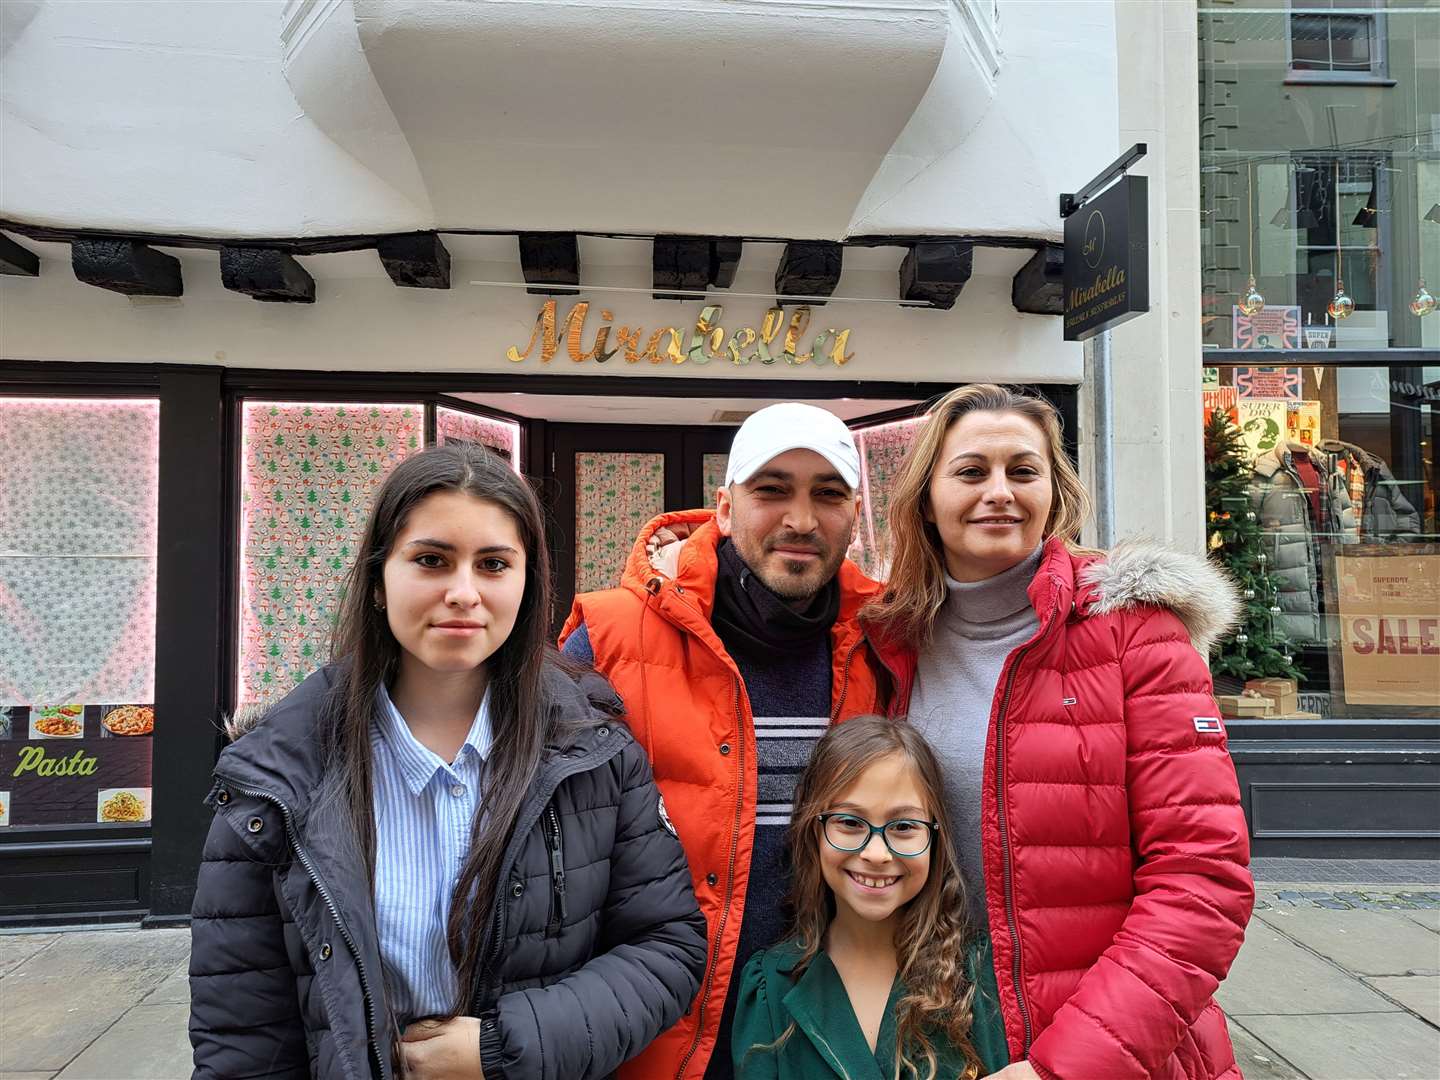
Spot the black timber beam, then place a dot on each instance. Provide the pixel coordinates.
(693, 263)
(1039, 285)
(724, 259)
(680, 262)
(934, 273)
(415, 260)
(16, 260)
(266, 274)
(809, 268)
(550, 259)
(126, 266)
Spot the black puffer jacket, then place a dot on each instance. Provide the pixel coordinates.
(600, 944)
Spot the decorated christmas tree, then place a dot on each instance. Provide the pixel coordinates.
(1257, 650)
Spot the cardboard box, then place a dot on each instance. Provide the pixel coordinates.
(1241, 707)
(1283, 692)
(1297, 716)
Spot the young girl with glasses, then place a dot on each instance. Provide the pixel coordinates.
(882, 979)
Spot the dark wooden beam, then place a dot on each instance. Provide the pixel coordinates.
(809, 268)
(724, 259)
(935, 273)
(126, 266)
(266, 274)
(1039, 285)
(415, 260)
(680, 262)
(550, 259)
(16, 260)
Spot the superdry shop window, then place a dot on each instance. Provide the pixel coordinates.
(79, 485)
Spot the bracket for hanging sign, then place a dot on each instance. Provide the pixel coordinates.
(1070, 203)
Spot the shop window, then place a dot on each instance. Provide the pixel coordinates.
(1323, 503)
(500, 436)
(882, 452)
(713, 468)
(309, 473)
(1337, 38)
(615, 495)
(79, 493)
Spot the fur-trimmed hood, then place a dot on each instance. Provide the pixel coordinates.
(1145, 573)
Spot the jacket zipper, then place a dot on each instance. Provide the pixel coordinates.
(372, 1021)
(479, 989)
(845, 681)
(1009, 870)
(729, 894)
(553, 839)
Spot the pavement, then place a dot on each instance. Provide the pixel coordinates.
(1339, 979)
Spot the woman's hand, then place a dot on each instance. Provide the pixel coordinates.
(1020, 1070)
(444, 1049)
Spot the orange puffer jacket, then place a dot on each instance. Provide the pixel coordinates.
(685, 703)
(1114, 846)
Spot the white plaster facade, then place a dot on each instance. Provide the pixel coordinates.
(770, 119)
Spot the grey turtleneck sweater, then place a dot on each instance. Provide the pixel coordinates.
(981, 623)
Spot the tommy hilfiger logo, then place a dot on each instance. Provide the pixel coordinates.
(1209, 724)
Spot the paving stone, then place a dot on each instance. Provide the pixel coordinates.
(148, 1043)
(1367, 943)
(26, 1076)
(1273, 975)
(1256, 1060)
(1428, 919)
(1418, 993)
(15, 949)
(174, 990)
(1353, 1046)
(60, 1000)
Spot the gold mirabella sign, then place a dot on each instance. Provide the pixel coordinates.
(707, 341)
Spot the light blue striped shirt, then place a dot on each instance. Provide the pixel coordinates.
(423, 811)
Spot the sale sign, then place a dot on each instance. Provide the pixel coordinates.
(1390, 629)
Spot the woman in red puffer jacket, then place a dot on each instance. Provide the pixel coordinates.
(1067, 693)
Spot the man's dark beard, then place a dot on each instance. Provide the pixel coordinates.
(786, 587)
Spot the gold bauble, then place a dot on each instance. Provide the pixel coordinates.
(1251, 302)
(1341, 306)
(1423, 303)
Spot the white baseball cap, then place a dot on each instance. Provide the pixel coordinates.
(775, 429)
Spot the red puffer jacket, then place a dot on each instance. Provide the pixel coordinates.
(1114, 846)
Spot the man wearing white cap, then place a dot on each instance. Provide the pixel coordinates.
(734, 649)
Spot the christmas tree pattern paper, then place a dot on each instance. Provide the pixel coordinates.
(309, 474)
(615, 495)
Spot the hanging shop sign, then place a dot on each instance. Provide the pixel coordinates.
(1390, 628)
(1274, 326)
(1107, 259)
(778, 339)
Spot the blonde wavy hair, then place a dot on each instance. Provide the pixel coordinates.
(932, 932)
(916, 591)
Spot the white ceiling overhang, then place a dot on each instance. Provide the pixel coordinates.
(712, 117)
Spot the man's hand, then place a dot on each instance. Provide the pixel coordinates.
(1020, 1070)
(444, 1049)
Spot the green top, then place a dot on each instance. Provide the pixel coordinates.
(828, 1041)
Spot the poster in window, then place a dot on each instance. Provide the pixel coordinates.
(1302, 422)
(1275, 326)
(1262, 425)
(1390, 629)
(1269, 382)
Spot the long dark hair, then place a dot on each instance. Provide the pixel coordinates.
(367, 654)
(932, 931)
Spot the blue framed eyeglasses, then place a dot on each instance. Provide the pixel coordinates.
(904, 837)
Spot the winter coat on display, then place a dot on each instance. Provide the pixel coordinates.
(687, 705)
(1115, 849)
(1386, 515)
(595, 946)
(1295, 515)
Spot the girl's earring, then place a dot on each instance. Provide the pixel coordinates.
(379, 606)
